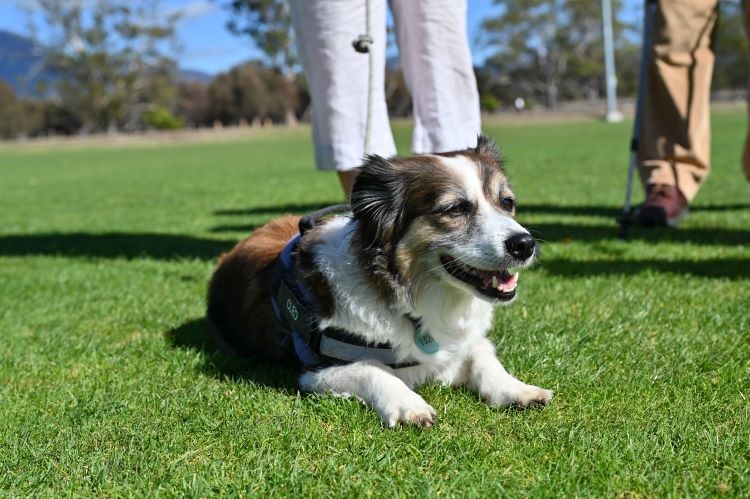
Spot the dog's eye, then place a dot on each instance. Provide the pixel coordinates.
(508, 203)
(458, 209)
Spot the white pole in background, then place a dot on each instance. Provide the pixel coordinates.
(613, 115)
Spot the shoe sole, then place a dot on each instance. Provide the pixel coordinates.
(661, 220)
(674, 221)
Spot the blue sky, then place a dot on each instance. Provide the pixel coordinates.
(206, 43)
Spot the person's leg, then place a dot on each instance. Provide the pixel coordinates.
(346, 179)
(433, 42)
(337, 78)
(746, 153)
(675, 136)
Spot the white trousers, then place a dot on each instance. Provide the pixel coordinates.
(436, 60)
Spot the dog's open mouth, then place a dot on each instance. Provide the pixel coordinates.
(495, 284)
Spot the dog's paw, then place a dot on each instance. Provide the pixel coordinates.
(520, 396)
(532, 396)
(414, 411)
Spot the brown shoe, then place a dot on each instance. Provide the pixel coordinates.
(664, 206)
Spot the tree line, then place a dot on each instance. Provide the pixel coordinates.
(116, 70)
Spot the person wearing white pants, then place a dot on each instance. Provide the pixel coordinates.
(436, 60)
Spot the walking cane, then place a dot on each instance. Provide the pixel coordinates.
(626, 218)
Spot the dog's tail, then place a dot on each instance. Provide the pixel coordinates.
(239, 305)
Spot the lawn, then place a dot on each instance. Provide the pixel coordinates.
(108, 386)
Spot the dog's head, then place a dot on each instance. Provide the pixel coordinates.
(445, 218)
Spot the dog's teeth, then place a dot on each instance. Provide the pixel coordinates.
(494, 281)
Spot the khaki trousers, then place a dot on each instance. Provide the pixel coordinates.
(676, 136)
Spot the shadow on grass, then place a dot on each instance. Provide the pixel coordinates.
(553, 232)
(195, 335)
(731, 268)
(269, 211)
(613, 212)
(247, 228)
(721, 207)
(276, 210)
(594, 211)
(113, 245)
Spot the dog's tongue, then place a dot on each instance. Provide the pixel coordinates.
(502, 281)
(509, 284)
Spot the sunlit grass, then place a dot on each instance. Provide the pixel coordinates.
(109, 388)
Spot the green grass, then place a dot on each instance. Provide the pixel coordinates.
(109, 388)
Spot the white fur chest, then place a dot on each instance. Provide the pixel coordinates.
(453, 319)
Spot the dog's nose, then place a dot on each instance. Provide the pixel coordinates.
(520, 246)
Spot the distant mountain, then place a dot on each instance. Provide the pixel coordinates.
(21, 65)
(195, 75)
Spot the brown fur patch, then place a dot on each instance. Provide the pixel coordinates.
(422, 232)
(239, 306)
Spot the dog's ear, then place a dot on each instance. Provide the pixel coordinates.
(486, 146)
(377, 202)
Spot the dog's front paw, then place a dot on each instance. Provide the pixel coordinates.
(410, 410)
(519, 396)
(531, 396)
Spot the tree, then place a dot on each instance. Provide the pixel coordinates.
(397, 94)
(269, 24)
(251, 92)
(19, 117)
(731, 70)
(32, 118)
(548, 48)
(194, 104)
(8, 111)
(59, 119)
(111, 55)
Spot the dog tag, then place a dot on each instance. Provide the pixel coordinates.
(425, 341)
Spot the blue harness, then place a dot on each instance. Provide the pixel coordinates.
(292, 300)
(294, 307)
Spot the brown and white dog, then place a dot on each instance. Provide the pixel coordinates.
(430, 238)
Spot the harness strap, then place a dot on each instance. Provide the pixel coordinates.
(294, 313)
(341, 346)
(311, 219)
(296, 316)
